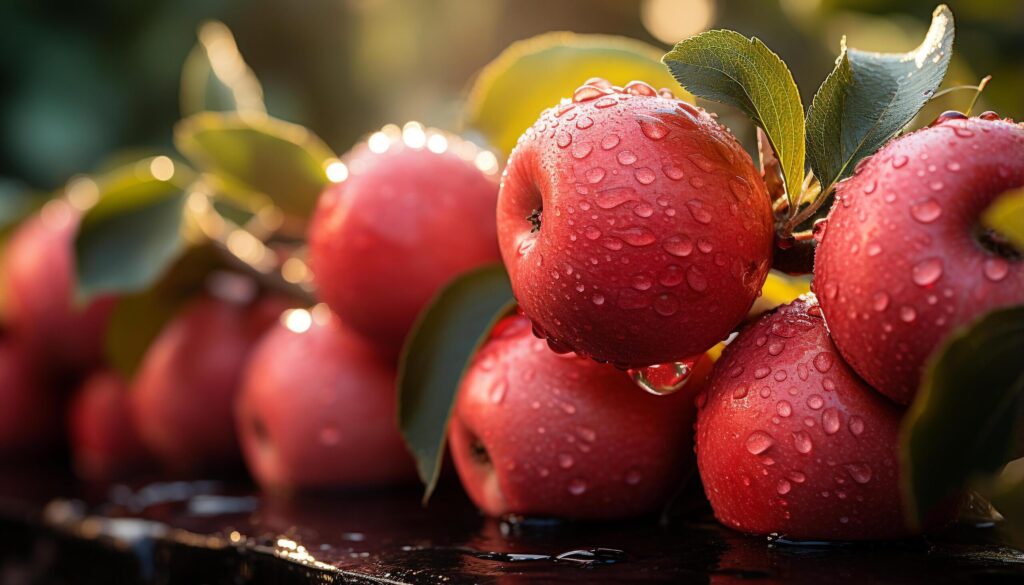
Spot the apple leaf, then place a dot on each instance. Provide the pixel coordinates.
(139, 317)
(434, 358)
(531, 75)
(726, 67)
(216, 78)
(127, 240)
(869, 97)
(968, 414)
(253, 156)
(1006, 216)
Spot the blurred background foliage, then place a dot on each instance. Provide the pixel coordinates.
(87, 82)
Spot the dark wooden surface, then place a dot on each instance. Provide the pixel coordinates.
(56, 530)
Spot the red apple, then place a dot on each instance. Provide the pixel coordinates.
(542, 434)
(39, 277)
(104, 441)
(317, 409)
(411, 215)
(904, 260)
(627, 217)
(30, 411)
(184, 391)
(791, 441)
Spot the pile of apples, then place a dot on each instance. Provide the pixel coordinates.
(636, 231)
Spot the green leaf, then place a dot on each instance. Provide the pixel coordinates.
(257, 156)
(139, 317)
(1006, 216)
(968, 414)
(869, 97)
(530, 75)
(434, 358)
(726, 67)
(127, 240)
(216, 78)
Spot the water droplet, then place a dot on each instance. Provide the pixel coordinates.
(762, 372)
(696, 280)
(605, 102)
(597, 299)
(639, 88)
(899, 161)
(870, 187)
(587, 93)
(740, 188)
(880, 301)
(633, 476)
(758, 442)
(645, 176)
(625, 157)
(565, 461)
(783, 487)
(962, 132)
(577, 487)
(936, 185)
(663, 379)
(595, 175)
(642, 282)
(498, 390)
(856, 425)
(815, 402)
(873, 249)
(673, 172)
(953, 166)
(584, 122)
(705, 245)
(996, 269)
(563, 140)
(830, 420)
(802, 442)
(926, 211)
(643, 209)
(591, 232)
(701, 162)
(613, 244)
(636, 236)
(784, 408)
(581, 150)
(678, 245)
(860, 472)
(823, 361)
(611, 198)
(740, 392)
(666, 304)
(610, 141)
(907, 314)
(776, 347)
(698, 212)
(927, 272)
(831, 290)
(652, 128)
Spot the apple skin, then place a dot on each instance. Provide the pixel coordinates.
(39, 278)
(402, 224)
(899, 266)
(30, 412)
(184, 391)
(565, 436)
(653, 221)
(105, 444)
(317, 411)
(791, 441)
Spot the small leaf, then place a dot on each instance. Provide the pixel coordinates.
(869, 97)
(1006, 216)
(726, 67)
(434, 358)
(966, 419)
(216, 78)
(138, 318)
(256, 156)
(126, 240)
(531, 75)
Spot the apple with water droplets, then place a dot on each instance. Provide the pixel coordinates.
(904, 260)
(791, 441)
(29, 406)
(317, 409)
(39, 275)
(634, 227)
(105, 444)
(415, 210)
(542, 434)
(183, 395)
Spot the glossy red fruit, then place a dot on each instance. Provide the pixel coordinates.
(542, 434)
(791, 441)
(406, 220)
(317, 409)
(634, 227)
(184, 391)
(29, 408)
(904, 260)
(104, 441)
(39, 277)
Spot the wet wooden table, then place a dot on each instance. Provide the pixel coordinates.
(56, 530)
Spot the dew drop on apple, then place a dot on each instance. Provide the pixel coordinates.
(577, 487)
(563, 140)
(610, 141)
(498, 390)
(587, 93)
(565, 461)
(740, 392)
(996, 269)
(907, 314)
(830, 421)
(581, 150)
(595, 175)
(662, 379)
(652, 128)
(605, 102)
(860, 472)
(802, 442)
(625, 157)
(633, 476)
(784, 408)
(612, 198)
(644, 176)
(776, 347)
(698, 212)
(637, 236)
(666, 304)
(783, 487)
(673, 172)
(815, 402)
(856, 425)
(927, 272)
(642, 282)
(926, 211)
(643, 209)
(597, 299)
(678, 245)
(696, 280)
(758, 442)
(823, 361)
